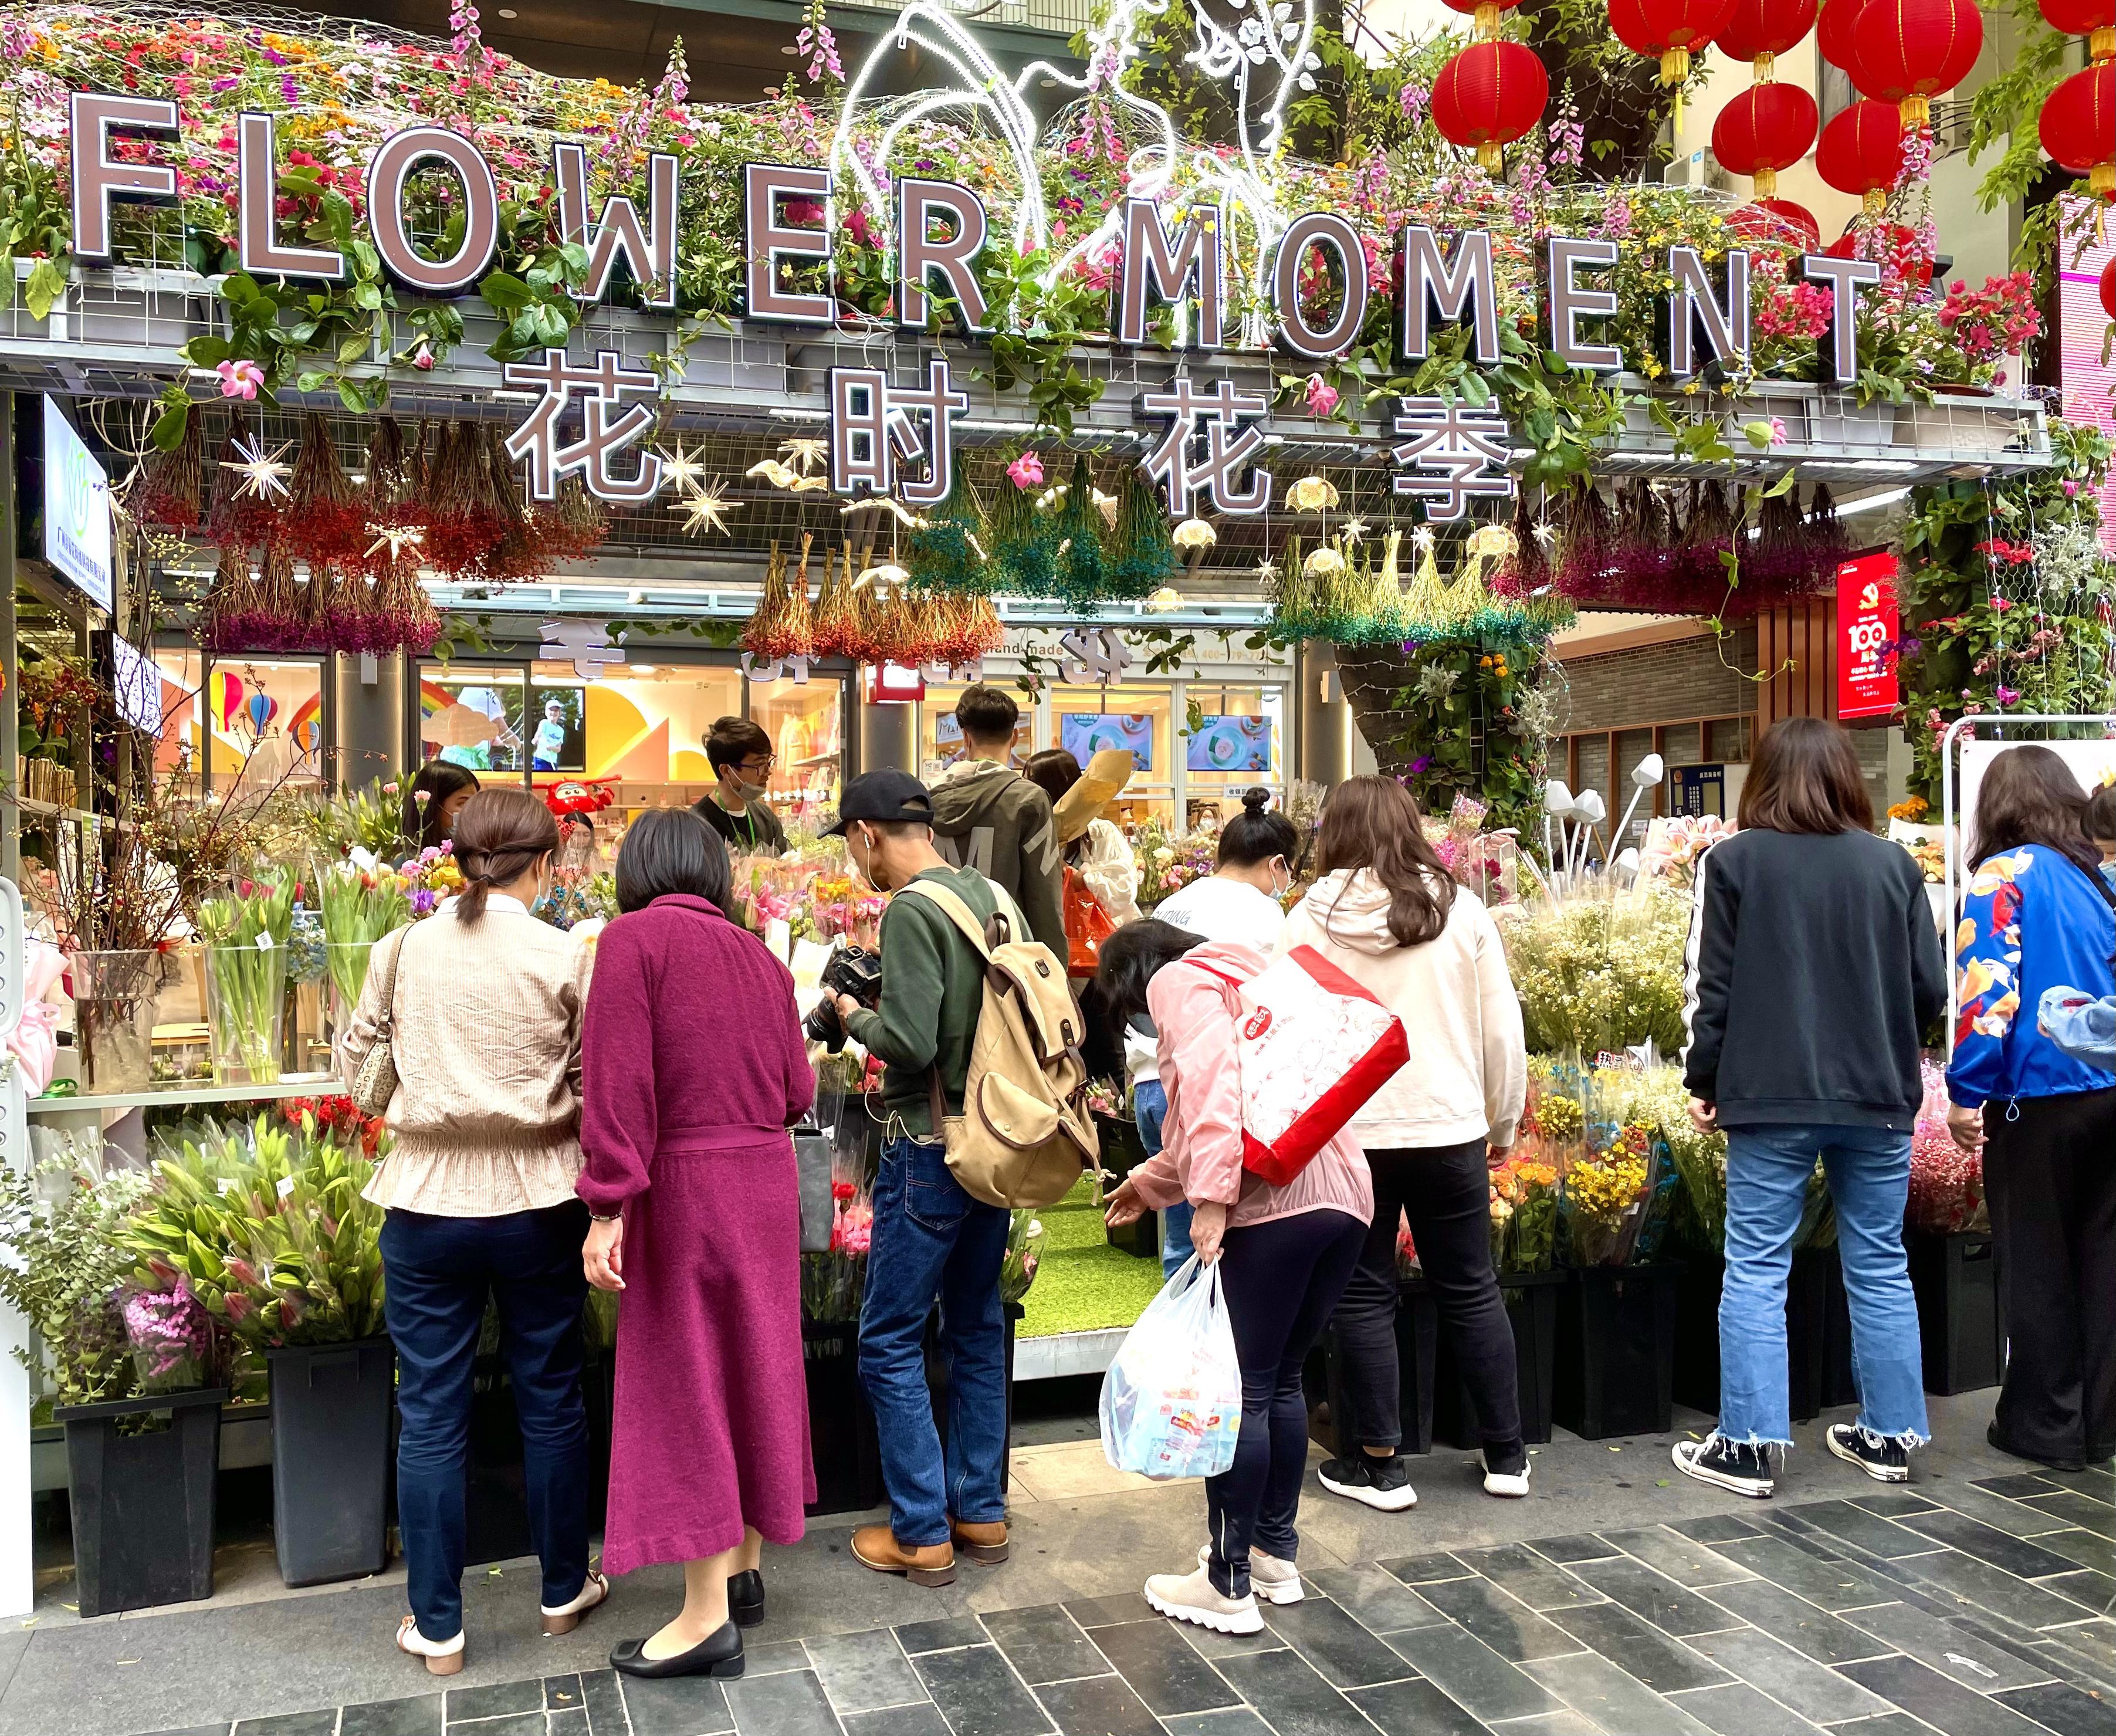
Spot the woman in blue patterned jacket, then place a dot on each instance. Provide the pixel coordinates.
(2039, 915)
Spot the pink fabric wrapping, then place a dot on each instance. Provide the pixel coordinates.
(35, 1042)
(691, 1058)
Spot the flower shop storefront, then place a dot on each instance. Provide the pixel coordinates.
(557, 431)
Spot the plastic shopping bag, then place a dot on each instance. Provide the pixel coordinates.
(1172, 1400)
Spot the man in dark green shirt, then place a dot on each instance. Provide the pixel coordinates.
(932, 1242)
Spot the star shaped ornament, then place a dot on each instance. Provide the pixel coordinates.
(806, 453)
(706, 508)
(263, 478)
(1354, 530)
(398, 539)
(681, 470)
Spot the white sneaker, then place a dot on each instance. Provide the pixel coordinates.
(1508, 1488)
(1190, 1597)
(1274, 1580)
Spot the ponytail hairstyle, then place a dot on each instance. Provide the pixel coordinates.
(1256, 834)
(1373, 822)
(500, 834)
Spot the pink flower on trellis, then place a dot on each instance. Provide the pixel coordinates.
(1321, 396)
(240, 379)
(1026, 470)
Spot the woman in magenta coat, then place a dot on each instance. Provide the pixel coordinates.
(693, 1067)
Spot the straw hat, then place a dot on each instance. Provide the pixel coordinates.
(1104, 780)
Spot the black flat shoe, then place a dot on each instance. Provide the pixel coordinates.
(719, 1654)
(746, 1598)
(2011, 1451)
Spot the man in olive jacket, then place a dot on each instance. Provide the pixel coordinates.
(988, 816)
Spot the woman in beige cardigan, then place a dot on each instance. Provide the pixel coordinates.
(1389, 915)
(485, 1005)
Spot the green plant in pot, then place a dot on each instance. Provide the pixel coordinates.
(360, 904)
(246, 932)
(64, 1266)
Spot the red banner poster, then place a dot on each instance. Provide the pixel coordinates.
(1866, 631)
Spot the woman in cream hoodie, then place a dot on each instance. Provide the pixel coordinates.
(1388, 914)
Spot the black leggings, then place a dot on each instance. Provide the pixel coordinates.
(2050, 1174)
(1281, 1279)
(1447, 1192)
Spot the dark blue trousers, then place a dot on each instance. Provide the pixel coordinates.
(439, 1272)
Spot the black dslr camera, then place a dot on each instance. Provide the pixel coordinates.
(850, 970)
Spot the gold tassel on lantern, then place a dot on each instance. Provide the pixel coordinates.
(1490, 158)
(1766, 70)
(1916, 111)
(1876, 202)
(1486, 19)
(2101, 45)
(1767, 182)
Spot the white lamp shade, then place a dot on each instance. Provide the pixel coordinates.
(1556, 799)
(1649, 771)
(1590, 807)
(1628, 861)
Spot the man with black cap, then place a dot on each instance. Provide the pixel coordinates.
(931, 1241)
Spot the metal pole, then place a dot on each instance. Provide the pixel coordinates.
(11, 818)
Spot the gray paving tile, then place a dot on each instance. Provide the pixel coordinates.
(289, 1723)
(2097, 1481)
(512, 1724)
(1214, 1646)
(1893, 1724)
(572, 1720)
(2070, 1508)
(1473, 1676)
(1715, 1528)
(1377, 1601)
(1832, 1585)
(418, 1716)
(1995, 1510)
(1566, 1550)
(1559, 1723)
(1164, 1670)
(1098, 1705)
(2097, 1592)
(683, 1706)
(979, 1694)
(1344, 1653)
(901, 1720)
(1894, 1502)
(1531, 1578)
(1294, 1700)
(1595, 1688)
(1800, 1624)
(1416, 1708)
(1415, 1570)
(2063, 1709)
(605, 1702)
(864, 1672)
(1987, 1543)
(949, 1635)
(1945, 1647)
(1235, 1721)
(1045, 1645)
(2095, 1550)
(1661, 1662)
(562, 1693)
(465, 1704)
(791, 1704)
(1684, 1559)
(2015, 1487)
(1944, 1705)
(1739, 1709)
(1501, 1621)
(1106, 1612)
(221, 1728)
(1814, 1691)
(1655, 1596)
(1980, 1587)
(1886, 1538)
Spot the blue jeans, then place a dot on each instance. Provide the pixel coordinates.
(438, 1272)
(1149, 1105)
(932, 1242)
(1868, 1169)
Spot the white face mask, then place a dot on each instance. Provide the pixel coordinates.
(1280, 888)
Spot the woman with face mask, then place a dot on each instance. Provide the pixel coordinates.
(481, 1005)
(741, 756)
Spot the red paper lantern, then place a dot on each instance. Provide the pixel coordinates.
(1833, 35)
(1862, 150)
(1907, 51)
(1760, 30)
(1765, 129)
(1490, 94)
(1669, 29)
(2079, 17)
(1910, 259)
(2078, 127)
(2108, 289)
(1778, 220)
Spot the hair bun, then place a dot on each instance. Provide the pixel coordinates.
(1255, 801)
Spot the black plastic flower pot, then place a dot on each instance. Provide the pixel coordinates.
(331, 1411)
(841, 1432)
(1696, 1377)
(1123, 1150)
(1615, 1371)
(1807, 1331)
(1955, 1278)
(143, 1501)
(1532, 1300)
(1840, 1384)
(1417, 1332)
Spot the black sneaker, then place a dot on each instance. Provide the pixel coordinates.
(1744, 1469)
(1884, 1461)
(1382, 1484)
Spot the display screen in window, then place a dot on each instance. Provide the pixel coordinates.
(475, 721)
(558, 729)
(1083, 735)
(1230, 744)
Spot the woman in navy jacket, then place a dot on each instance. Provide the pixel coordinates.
(2039, 916)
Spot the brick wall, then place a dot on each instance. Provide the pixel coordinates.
(1647, 684)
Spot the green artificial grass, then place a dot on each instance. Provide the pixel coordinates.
(1082, 1283)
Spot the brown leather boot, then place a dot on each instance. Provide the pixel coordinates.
(876, 1546)
(984, 1543)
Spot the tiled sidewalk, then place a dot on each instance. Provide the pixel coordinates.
(1970, 1610)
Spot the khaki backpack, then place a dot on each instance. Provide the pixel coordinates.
(1024, 1136)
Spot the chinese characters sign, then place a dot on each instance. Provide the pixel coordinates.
(1866, 632)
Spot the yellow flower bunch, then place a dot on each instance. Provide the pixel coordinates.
(1602, 1188)
(1560, 1119)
